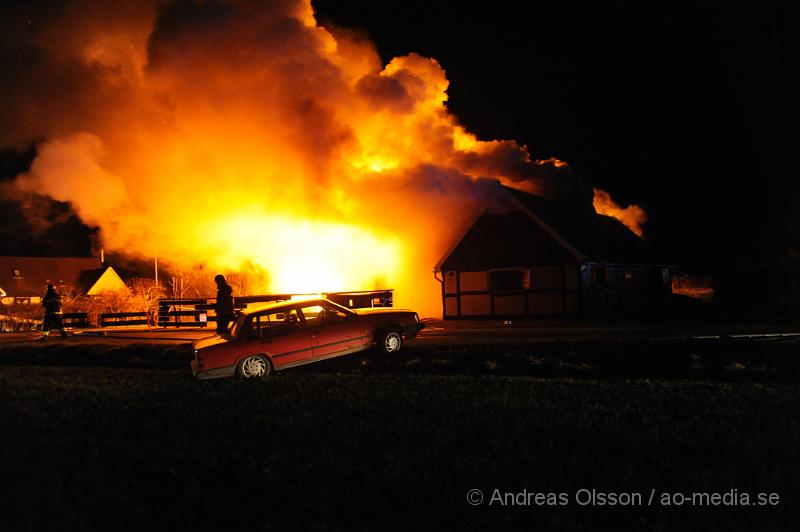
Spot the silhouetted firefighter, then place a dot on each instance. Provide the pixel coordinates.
(224, 306)
(52, 312)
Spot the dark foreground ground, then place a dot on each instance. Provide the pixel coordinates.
(365, 443)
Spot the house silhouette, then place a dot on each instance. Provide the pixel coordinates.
(526, 255)
(25, 279)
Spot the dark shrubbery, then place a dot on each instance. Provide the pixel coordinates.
(144, 449)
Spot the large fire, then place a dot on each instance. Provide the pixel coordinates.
(244, 133)
(298, 253)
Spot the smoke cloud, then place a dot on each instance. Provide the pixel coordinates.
(239, 133)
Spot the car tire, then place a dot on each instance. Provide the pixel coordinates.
(389, 341)
(254, 367)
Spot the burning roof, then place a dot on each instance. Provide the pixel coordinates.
(510, 234)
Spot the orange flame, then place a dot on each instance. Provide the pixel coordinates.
(632, 216)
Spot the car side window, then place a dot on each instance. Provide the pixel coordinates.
(275, 324)
(319, 315)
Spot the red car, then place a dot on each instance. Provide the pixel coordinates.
(282, 335)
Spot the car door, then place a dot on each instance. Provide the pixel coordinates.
(333, 331)
(283, 335)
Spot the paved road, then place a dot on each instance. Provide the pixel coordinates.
(440, 334)
(475, 333)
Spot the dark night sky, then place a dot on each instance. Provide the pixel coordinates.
(688, 111)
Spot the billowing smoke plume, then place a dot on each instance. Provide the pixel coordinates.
(231, 133)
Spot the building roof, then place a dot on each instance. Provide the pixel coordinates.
(596, 237)
(29, 276)
(109, 281)
(532, 230)
(504, 240)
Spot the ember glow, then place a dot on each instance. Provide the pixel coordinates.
(245, 135)
(699, 287)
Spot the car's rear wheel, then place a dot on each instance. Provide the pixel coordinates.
(254, 367)
(390, 341)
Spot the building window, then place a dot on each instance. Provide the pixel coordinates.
(16, 274)
(629, 278)
(599, 276)
(510, 280)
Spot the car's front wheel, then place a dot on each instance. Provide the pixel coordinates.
(390, 341)
(254, 367)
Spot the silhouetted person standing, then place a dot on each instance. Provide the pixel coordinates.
(224, 306)
(52, 312)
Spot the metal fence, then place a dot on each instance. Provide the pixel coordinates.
(198, 312)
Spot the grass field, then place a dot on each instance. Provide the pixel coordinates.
(344, 447)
